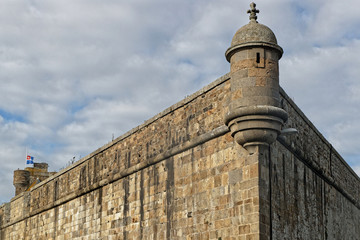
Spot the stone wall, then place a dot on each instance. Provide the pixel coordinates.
(313, 193)
(180, 175)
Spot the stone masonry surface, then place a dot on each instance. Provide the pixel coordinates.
(211, 189)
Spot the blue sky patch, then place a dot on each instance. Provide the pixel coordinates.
(10, 117)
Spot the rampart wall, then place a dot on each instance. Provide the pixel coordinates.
(180, 175)
(314, 194)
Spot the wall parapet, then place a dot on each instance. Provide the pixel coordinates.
(313, 148)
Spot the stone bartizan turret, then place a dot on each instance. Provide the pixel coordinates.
(255, 117)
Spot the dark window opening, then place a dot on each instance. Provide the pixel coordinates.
(257, 57)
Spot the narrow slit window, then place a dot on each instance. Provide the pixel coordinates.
(56, 191)
(257, 57)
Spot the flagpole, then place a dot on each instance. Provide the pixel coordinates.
(25, 156)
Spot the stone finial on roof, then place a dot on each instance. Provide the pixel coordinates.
(253, 11)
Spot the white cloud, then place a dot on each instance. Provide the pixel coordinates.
(323, 83)
(357, 170)
(345, 136)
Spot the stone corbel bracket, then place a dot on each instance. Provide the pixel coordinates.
(255, 125)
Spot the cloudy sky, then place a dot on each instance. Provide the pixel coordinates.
(75, 73)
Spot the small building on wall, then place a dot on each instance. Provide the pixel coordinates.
(26, 179)
(235, 160)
